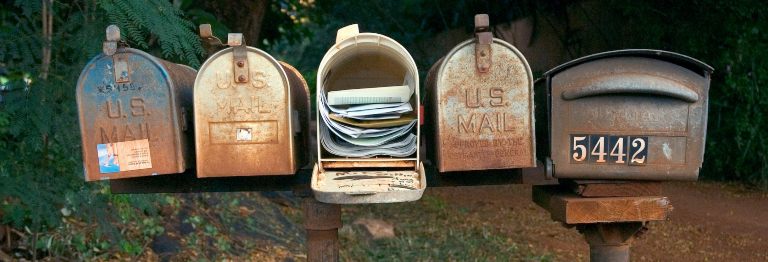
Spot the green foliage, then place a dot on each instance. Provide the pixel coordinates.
(159, 20)
(732, 37)
(40, 162)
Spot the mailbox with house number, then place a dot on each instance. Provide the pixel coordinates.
(480, 105)
(251, 113)
(628, 114)
(133, 113)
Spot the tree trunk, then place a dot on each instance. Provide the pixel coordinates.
(242, 16)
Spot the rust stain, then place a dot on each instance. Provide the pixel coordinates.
(148, 102)
(247, 129)
(482, 120)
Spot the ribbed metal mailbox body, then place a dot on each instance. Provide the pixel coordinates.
(481, 120)
(252, 126)
(629, 114)
(132, 110)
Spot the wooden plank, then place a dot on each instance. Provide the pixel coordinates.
(613, 189)
(570, 208)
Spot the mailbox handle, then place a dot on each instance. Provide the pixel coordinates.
(347, 32)
(640, 84)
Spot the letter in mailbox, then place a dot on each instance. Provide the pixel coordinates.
(132, 113)
(629, 114)
(481, 104)
(246, 118)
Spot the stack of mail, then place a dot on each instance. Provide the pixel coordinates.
(368, 122)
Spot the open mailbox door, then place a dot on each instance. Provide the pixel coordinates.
(133, 110)
(368, 125)
(629, 114)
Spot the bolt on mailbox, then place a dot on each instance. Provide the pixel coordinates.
(132, 110)
(481, 106)
(251, 112)
(367, 127)
(629, 114)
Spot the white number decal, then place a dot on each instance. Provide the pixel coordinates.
(619, 146)
(640, 144)
(579, 156)
(600, 154)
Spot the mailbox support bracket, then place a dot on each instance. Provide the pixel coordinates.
(611, 241)
(609, 224)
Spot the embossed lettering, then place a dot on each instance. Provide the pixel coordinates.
(114, 113)
(137, 107)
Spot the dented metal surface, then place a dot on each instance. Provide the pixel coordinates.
(132, 110)
(244, 114)
(481, 120)
(633, 114)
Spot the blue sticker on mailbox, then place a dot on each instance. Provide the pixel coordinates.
(108, 159)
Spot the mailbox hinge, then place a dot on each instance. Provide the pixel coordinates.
(119, 61)
(239, 57)
(484, 38)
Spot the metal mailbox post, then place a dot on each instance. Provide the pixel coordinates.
(133, 113)
(628, 114)
(481, 106)
(251, 113)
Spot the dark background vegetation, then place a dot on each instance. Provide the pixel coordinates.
(45, 44)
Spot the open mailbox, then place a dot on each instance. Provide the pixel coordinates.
(628, 114)
(368, 125)
(133, 113)
(480, 106)
(251, 112)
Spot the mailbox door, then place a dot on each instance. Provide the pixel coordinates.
(243, 129)
(129, 124)
(628, 118)
(484, 120)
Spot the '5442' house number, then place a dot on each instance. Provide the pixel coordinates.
(609, 149)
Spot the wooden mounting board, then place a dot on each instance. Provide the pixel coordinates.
(569, 208)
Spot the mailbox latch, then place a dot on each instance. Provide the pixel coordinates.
(483, 46)
(119, 61)
(239, 57)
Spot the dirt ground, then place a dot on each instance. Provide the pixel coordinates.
(710, 222)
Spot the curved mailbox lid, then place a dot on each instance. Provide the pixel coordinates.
(141, 111)
(483, 120)
(350, 42)
(243, 129)
(679, 59)
(656, 99)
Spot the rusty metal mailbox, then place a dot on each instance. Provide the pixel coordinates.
(629, 114)
(132, 110)
(251, 113)
(480, 100)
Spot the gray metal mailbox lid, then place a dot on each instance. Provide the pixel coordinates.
(132, 110)
(628, 114)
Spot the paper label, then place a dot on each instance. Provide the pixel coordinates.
(124, 156)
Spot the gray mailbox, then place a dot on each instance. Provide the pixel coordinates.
(628, 114)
